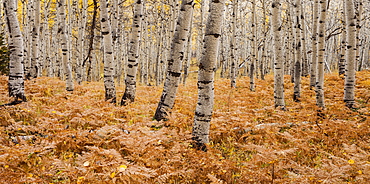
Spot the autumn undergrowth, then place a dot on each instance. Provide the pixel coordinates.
(77, 137)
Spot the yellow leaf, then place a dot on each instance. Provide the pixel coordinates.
(113, 174)
(359, 172)
(6, 166)
(350, 161)
(29, 175)
(122, 168)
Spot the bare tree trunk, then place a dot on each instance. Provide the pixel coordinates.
(350, 76)
(65, 49)
(233, 47)
(16, 73)
(342, 59)
(252, 70)
(132, 65)
(35, 65)
(110, 89)
(314, 44)
(204, 108)
(278, 58)
(298, 55)
(176, 56)
(321, 55)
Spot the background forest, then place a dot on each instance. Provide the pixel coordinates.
(78, 55)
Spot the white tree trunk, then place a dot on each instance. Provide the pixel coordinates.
(350, 77)
(16, 73)
(314, 44)
(321, 55)
(204, 108)
(64, 45)
(176, 57)
(132, 65)
(298, 52)
(278, 55)
(110, 89)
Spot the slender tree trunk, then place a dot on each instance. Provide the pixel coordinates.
(16, 73)
(35, 65)
(342, 59)
(204, 108)
(278, 58)
(130, 80)
(314, 44)
(298, 55)
(349, 84)
(305, 64)
(110, 89)
(358, 33)
(175, 60)
(252, 70)
(65, 49)
(321, 55)
(233, 47)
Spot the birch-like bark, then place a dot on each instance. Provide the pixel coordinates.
(254, 48)
(298, 53)
(110, 89)
(64, 45)
(358, 33)
(350, 77)
(35, 70)
(132, 65)
(321, 55)
(16, 73)
(176, 56)
(305, 64)
(278, 55)
(314, 44)
(342, 59)
(204, 108)
(80, 72)
(233, 47)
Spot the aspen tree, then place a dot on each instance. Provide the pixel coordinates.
(252, 69)
(175, 60)
(314, 44)
(16, 73)
(278, 58)
(321, 58)
(35, 70)
(110, 89)
(81, 42)
(305, 64)
(204, 108)
(132, 65)
(298, 52)
(358, 33)
(349, 83)
(233, 47)
(342, 59)
(64, 46)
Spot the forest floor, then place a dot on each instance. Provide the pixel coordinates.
(77, 137)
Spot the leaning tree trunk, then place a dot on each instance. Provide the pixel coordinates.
(110, 89)
(16, 73)
(130, 80)
(203, 111)
(278, 62)
(321, 56)
(349, 84)
(314, 44)
(175, 60)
